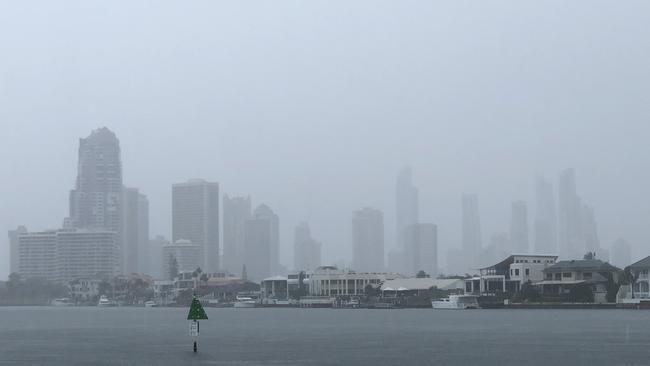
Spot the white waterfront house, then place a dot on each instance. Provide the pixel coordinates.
(639, 290)
(641, 279)
(510, 274)
(331, 281)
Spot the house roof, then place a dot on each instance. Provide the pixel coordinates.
(582, 265)
(557, 282)
(511, 259)
(403, 284)
(642, 264)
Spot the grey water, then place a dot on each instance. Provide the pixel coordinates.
(160, 336)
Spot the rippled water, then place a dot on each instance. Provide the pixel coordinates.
(159, 336)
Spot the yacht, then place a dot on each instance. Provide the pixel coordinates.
(105, 302)
(150, 304)
(245, 302)
(456, 302)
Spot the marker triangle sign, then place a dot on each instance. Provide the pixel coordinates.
(196, 311)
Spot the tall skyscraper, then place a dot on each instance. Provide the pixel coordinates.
(621, 253)
(545, 218)
(264, 212)
(261, 244)
(95, 203)
(519, 227)
(406, 204)
(135, 231)
(471, 230)
(195, 217)
(307, 250)
(590, 231)
(421, 249)
(14, 254)
(571, 241)
(236, 211)
(368, 240)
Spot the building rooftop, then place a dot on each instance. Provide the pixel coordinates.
(422, 284)
(595, 265)
(511, 259)
(642, 264)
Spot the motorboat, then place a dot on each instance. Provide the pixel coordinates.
(105, 302)
(64, 301)
(245, 302)
(456, 302)
(150, 304)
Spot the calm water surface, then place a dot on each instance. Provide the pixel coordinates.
(159, 336)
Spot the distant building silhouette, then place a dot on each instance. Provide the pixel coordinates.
(621, 253)
(307, 250)
(519, 228)
(545, 218)
(185, 254)
(421, 249)
(406, 204)
(261, 240)
(571, 242)
(578, 229)
(368, 240)
(236, 211)
(14, 255)
(195, 217)
(135, 231)
(155, 258)
(471, 230)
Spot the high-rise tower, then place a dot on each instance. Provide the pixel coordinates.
(195, 217)
(95, 203)
(406, 204)
(236, 211)
(368, 240)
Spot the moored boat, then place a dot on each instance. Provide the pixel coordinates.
(245, 302)
(64, 301)
(105, 302)
(456, 302)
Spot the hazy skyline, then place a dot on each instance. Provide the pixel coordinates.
(313, 109)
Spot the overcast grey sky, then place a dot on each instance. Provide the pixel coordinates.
(313, 106)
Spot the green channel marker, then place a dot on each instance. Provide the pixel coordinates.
(196, 313)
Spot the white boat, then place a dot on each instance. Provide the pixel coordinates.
(62, 302)
(245, 302)
(105, 302)
(456, 302)
(150, 304)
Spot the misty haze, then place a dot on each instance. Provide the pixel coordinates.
(293, 156)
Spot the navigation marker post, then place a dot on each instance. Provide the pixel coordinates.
(196, 313)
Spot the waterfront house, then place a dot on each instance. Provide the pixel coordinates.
(510, 274)
(331, 281)
(563, 276)
(640, 285)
